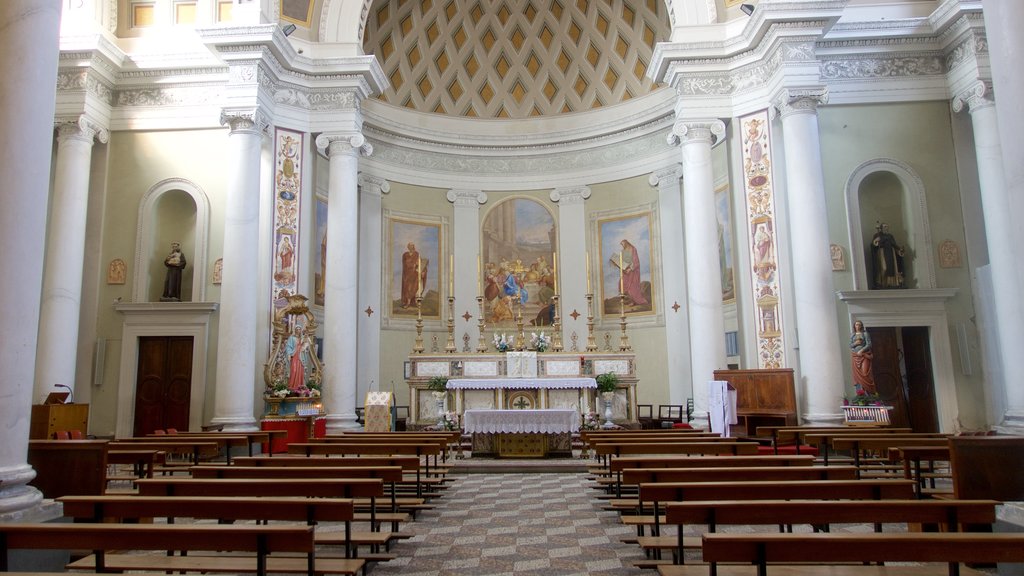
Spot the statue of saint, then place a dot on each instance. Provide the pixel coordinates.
(175, 263)
(886, 259)
(861, 357)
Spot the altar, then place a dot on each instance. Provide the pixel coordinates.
(511, 381)
(522, 433)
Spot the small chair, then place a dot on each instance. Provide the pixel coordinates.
(401, 417)
(77, 435)
(645, 415)
(62, 435)
(172, 430)
(669, 414)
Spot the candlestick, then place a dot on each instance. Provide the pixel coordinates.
(588, 272)
(419, 277)
(478, 290)
(554, 269)
(620, 273)
(451, 273)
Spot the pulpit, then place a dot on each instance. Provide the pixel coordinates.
(764, 397)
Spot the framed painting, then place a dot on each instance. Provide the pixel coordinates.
(414, 267)
(320, 252)
(725, 251)
(625, 265)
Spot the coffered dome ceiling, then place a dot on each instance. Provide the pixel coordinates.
(514, 58)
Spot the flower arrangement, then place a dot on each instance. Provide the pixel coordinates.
(281, 390)
(591, 421)
(448, 421)
(606, 382)
(539, 342)
(863, 398)
(438, 384)
(502, 342)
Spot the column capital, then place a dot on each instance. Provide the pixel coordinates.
(374, 185)
(466, 198)
(800, 100)
(570, 194)
(345, 143)
(666, 176)
(977, 96)
(706, 131)
(80, 127)
(244, 120)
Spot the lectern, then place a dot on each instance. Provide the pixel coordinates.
(49, 418)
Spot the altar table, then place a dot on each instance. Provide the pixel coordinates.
(520, 383)
(521, 433)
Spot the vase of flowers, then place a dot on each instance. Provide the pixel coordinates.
(501, 342)
(539, 342)
(606, 384)
(438, 386)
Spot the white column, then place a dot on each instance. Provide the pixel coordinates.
(371, 188)
(239, 306)
(341, 304)
(821, 366)
(27, 97)
(65, 253)
(466, 248)
(999, 230)
(703, 270)
(1002, 23)
(572, 263)
(670, 204)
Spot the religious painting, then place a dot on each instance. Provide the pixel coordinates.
(287, 204)
(725, 255)
(414, 269)
(625, 265)
(320, 255)
(517, 264)
(117, 271)
(297, 11)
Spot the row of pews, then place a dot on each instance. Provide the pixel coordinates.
(680, 489)
(333, 511)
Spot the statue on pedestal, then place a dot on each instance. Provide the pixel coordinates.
(175, 263)
(886, 260)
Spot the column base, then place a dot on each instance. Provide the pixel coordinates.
(342, 423)
(239, 424)
(826, 419)
(18, 500)
(1012, 424)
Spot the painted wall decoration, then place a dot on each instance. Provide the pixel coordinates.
(725, 255)
(517, 268)
(414, 248)
(625, 250)
(117, 271)
(949, 254)
(287, 196)
(760, 214)
(320, 256)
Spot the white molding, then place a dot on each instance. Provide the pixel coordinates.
(162, 319)
(144, 243)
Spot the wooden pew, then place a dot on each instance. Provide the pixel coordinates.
(952, 549)
(440, 441)
(610, 451)
(263, 509)
(263, 542)
(420, 450)
(253, 436)
(913, 457)
(823, 441)
(951, 515)
(987, 467)
(617, 466)
(794, 435)
(192, 450)
(68, 466)
(858, 445)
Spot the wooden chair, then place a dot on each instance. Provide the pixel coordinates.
(645, 415)
(670, 413)
(77, 435)
(62, 435)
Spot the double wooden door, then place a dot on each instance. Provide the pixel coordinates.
(912, 399)
(164, 384)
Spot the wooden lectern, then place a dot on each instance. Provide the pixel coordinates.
(47, 419)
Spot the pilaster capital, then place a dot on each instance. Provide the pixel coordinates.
(80, 127)
(343, 143)
(244, 120)
(466, 198)
(706, 131)
(570, 195)
(977, 96)
(666, 176)
(800, 100)
(373, 185)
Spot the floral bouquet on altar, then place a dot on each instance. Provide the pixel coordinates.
(307, 390)
(591, 421)
(448, 421)
(539, 342)
(502, 342)
(863, 398)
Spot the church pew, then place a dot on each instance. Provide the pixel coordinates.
(766, 550)
(617, 466)
(950, 515)
(794, 435)
(609, 451)
(823, 440)
(261, 542)
(422, 450)
(912, 458)
(253, 436)
(231, 509)
(441, 441)
(987, 467)
(859, 446)
(191, 451)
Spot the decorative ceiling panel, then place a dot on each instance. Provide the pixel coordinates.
(514, 58)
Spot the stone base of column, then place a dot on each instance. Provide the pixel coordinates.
(1012, 424)
(827, 419)
(700, 421)
(342, 423)
(20, 502)
(236, 424)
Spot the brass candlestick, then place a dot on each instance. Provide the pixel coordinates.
(481, 345)
(591, 343)
(520, 343)
(418, 347)
(556, 327)
(624, 338)
(449, 346)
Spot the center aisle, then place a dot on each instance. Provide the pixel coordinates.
(487, 524)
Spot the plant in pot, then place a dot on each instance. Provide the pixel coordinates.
(438, 386)
(606, 384)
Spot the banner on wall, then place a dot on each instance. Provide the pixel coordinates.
(287, 196)
(758, 187)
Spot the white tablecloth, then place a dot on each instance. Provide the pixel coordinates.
(553, 421)
(520, 383)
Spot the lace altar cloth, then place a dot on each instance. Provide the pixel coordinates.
(519, 383)
(551, 421)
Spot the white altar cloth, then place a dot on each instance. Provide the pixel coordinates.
(520, 383)
(551, 421)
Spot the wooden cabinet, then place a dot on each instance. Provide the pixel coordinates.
(763, 397)
(49, 418)
(68, 467)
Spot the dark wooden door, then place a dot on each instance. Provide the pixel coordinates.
(886, 370)
(164, 388)
(924, 416)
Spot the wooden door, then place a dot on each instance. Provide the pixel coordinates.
(924, 416)
(886, 370)
(164, 388)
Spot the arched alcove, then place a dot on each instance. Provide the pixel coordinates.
(888, 191)
(173, 210)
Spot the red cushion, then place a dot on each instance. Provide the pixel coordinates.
(682, 425)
